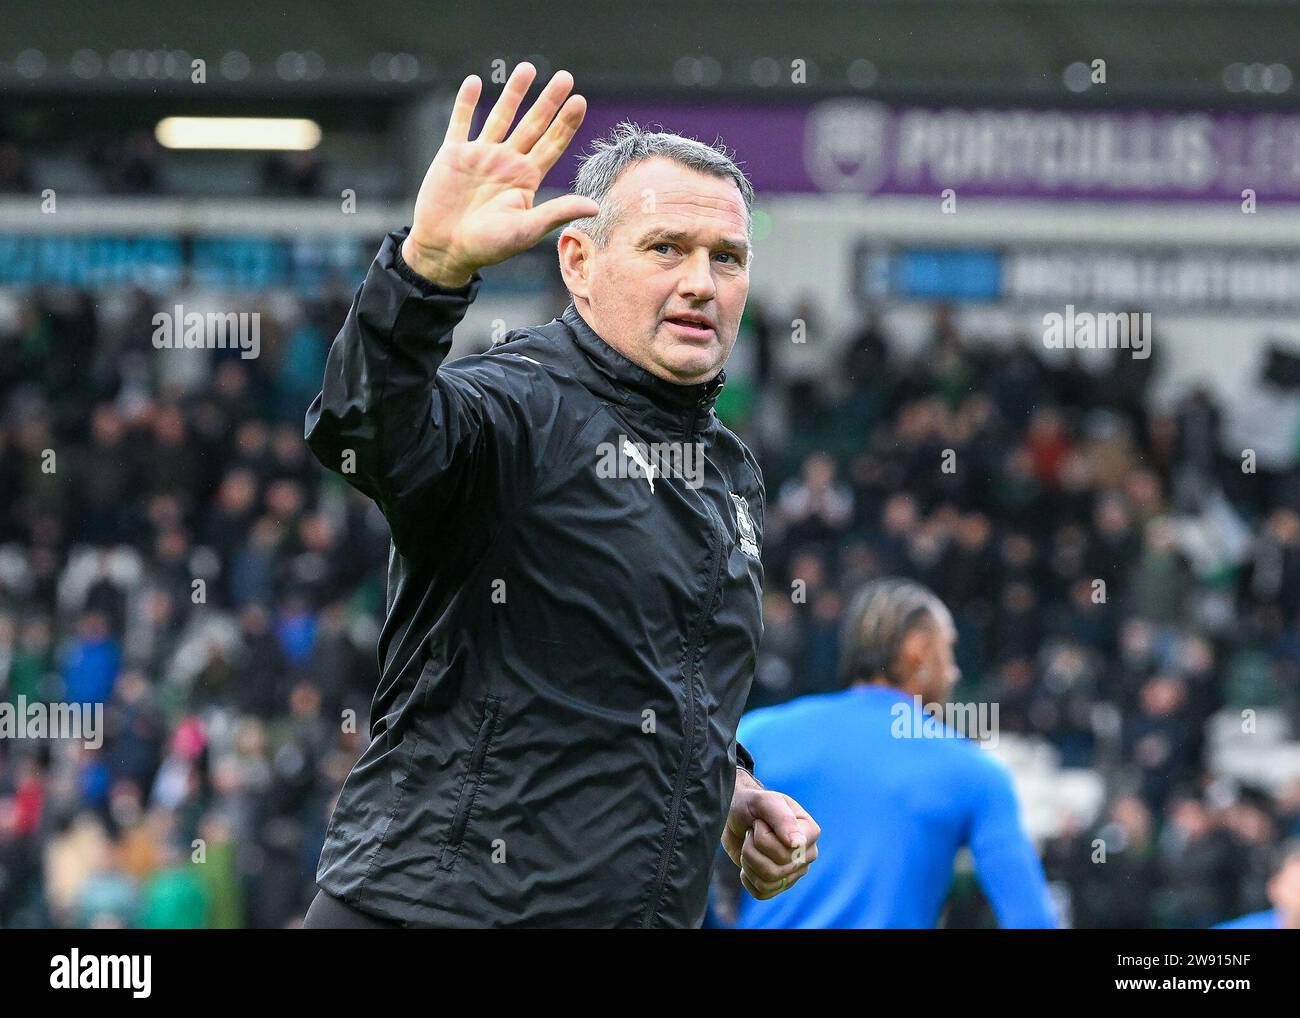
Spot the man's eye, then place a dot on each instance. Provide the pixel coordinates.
(667, 247)
(726, 254)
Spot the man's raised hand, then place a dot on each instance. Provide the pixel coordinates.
(475, 207)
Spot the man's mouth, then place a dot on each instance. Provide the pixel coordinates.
(690, 326)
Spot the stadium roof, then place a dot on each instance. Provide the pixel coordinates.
(1176, 52)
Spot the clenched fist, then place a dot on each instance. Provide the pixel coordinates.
(769, 836)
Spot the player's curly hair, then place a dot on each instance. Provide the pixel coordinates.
(628, 144)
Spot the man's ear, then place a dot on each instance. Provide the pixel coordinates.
(575, 250)
(911, 654)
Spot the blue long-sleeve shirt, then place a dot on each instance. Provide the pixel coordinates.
(893, 813)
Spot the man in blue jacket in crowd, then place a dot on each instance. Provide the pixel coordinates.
(896, 793)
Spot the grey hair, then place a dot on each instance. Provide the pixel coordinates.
(878, 618)
(627, 145)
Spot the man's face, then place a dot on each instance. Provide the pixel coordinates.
(668, 288)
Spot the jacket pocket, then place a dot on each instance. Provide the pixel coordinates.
(472, 782)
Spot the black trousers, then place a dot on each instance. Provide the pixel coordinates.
(328, 913)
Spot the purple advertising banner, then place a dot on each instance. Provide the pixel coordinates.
(859, 146)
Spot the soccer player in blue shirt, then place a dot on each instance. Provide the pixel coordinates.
(894, 808)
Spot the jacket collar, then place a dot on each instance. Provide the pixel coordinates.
(631, 385)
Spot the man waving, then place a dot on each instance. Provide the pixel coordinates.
(568, 648)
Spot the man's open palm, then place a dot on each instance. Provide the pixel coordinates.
(475, 206)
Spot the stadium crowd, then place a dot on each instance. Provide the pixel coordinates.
(168, 548)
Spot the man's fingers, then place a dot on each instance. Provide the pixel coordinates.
(767, 841)
(760, 868)
(775, 810)
(462, 113)
(733, 839)
(507, 104)
(764, 856)
(537, 119)
(748, 885)
(811, 829)
(764, 889)
(546, 153)
(558, 211)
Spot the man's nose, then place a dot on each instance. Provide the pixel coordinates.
(697, 277)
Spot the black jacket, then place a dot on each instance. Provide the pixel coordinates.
(569, 643)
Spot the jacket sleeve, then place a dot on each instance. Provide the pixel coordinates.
(743, 759)
(421, 442)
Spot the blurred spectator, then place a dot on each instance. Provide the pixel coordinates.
(1200, 868)
(297, 174)
(15, 174)
(131, 167)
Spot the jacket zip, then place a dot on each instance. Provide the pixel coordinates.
(472, 782)
(679, 791)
